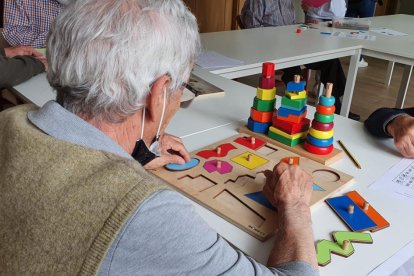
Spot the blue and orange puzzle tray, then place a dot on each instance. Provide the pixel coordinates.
(229, 181)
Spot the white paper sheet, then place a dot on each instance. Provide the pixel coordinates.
(398, 181)
(400, 264)
(355, 35)
(211, 60)
(387, 32)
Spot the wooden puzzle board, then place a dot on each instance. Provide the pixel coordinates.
(328, 159)
(225, 193)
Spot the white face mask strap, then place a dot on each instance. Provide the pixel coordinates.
(162, 114)
(143, 123)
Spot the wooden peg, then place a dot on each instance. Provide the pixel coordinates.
(218, 164)
(351, 209)
(366, 206)
(296, 78)
(253, 140)
(345, 245)
(328, 90)
(249, 157)
(218, 150)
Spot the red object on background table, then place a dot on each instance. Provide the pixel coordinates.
(315, 3)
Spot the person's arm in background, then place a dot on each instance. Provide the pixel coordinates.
(18, 29)
(252, 14)
(395, 123)
(19, 64)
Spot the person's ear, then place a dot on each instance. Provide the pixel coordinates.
(156, 96)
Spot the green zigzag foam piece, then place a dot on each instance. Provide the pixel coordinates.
(324, 248)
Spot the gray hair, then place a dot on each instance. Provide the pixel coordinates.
(104, 55)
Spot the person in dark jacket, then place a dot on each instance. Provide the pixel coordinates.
(394, 123)
(18, 64)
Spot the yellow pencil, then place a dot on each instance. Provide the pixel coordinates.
(350, 155)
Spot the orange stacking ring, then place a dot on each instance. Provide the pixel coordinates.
(325, 110)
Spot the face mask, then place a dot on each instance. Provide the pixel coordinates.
(141, 152)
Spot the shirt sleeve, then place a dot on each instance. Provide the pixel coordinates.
(17, 27)
(18, 69)
(252, 14)
(166, 236)
(377, 122)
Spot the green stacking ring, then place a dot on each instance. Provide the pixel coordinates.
(325, 119)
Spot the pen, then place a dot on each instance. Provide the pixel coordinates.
(350, 155)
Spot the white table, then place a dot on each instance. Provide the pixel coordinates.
(284, 47)
(368, 151)
(394, 49)
(211, 119)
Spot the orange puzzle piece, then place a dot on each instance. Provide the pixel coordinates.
(294, 160)
(371, 212)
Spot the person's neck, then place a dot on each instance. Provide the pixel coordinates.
(125, 133)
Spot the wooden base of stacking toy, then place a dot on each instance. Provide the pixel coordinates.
(328, 159)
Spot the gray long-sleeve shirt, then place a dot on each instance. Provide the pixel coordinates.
(18, 69)
(264, 13)
(165, 236)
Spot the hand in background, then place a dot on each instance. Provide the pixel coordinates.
(45, 63)
(23, 51)
(402, 130)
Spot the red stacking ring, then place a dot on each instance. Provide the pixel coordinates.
(321, 126)
(267, 83)
(268, 69)
(317, 150)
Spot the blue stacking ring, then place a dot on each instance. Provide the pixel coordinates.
(321, 143)
(326, 101)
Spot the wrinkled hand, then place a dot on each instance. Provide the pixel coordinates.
(305, 7)
(172, 151)
(45, 63)
(402, 130)
(287, 185)
(23, 51)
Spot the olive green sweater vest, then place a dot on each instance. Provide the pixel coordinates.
(61, 205)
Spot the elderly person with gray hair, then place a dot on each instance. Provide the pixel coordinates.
(73, 201)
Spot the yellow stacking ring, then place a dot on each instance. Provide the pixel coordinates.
(321, 134)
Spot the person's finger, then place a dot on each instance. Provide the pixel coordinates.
(164, 160)
(178, 148)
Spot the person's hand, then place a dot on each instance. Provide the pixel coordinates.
(305, 7)
(287, 186)
(172, 151)
(22, 51)
(45, 63)
(402, 130)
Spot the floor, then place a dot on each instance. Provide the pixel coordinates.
(370, 91)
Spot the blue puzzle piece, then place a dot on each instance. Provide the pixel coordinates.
(296, 87)
(261, 199)
(189, 165)
(318, 188)
(257, 126)
(358, 221)
(285, 112)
